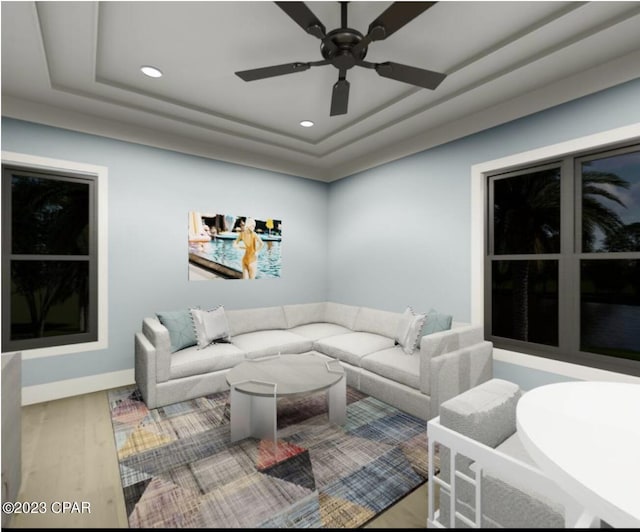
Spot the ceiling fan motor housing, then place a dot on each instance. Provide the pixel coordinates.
(337, 47)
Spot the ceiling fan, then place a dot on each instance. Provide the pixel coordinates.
(345, 48)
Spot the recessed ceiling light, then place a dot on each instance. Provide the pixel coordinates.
(150, 71)
(307, 123)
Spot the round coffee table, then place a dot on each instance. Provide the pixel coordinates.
(257, 384)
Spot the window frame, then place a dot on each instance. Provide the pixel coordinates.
(569, 259)
(98, 175)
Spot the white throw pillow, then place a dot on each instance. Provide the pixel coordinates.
(409, 329)
(210, 326)
(403, 326)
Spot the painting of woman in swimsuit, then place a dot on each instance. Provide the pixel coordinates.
(252, 246)
(225, 246)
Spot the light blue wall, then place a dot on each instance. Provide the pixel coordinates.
(399, 234)
(389, 237)
(526, 379)
(150, 194)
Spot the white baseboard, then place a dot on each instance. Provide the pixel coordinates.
(40, 393)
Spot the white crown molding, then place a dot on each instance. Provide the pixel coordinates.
(40, 113)
(585, 83)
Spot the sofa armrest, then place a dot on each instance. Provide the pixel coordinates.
(439, 343)
(452, 373)
(145, 369)
(158, 336)
(436, 344)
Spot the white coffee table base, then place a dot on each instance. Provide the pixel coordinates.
(253, 415)
(257, 415)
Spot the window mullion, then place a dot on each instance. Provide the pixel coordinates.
(568, 275)
(488, 259)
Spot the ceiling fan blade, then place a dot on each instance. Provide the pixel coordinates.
(271, 71)
(340, 96)
(408, 74)
(304, 17)
(395, 17)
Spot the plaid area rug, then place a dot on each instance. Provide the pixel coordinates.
(179, 469)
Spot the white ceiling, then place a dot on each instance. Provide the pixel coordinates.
(76, 65)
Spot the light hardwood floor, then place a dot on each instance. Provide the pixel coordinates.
(69, 454)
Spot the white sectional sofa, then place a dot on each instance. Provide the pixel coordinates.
(445, 364)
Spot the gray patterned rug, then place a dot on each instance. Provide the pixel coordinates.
(179, 469)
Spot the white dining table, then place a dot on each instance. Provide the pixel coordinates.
(586, 437)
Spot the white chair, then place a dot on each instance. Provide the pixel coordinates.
(495, 482)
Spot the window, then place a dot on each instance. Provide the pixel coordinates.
(50, 263)
(562, 267)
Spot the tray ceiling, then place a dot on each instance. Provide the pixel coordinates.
(77, 65)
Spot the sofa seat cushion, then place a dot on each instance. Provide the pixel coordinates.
(394, 364)
(353, 346)
(317, 331)
(263, 343)
(194, 361)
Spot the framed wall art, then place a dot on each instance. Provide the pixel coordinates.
(226, 246)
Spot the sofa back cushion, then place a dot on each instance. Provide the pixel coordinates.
(255, 319)
(340, 314)
(304, 314)
(377, 321)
